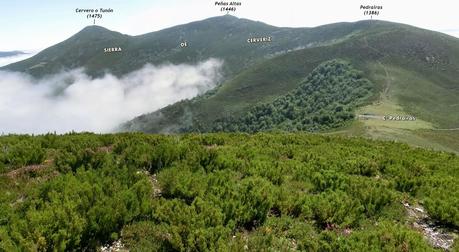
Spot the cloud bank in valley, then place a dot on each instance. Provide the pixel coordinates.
(73, 101)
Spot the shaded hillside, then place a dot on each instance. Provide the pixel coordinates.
(423, 68)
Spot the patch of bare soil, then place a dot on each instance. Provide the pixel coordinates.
(437, 236)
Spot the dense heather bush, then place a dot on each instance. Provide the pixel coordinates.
(221, 192)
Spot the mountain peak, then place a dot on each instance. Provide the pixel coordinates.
(94, 28)
(94, 32)
(227, 16)
(222, 19)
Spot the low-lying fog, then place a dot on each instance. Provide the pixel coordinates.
(73, 101)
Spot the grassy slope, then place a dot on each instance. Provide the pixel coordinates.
(415, 70)
(446, 138)
(326, 99)
(416, 86)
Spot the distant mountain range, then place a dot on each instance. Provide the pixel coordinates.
(223, 37)
(411, 71)
(11, 53)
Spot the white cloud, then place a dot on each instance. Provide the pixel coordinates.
(73, 101)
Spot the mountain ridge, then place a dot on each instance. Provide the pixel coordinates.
(163, 45)
(11, 53)
(414, 70)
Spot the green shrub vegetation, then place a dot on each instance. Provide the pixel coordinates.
(220, 192)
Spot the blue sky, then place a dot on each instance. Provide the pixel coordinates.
(32, 24)
(37, 24)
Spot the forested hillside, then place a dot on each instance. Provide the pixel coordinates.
(326, 99)
(413, 72)
(221, 192)
(396, 58)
